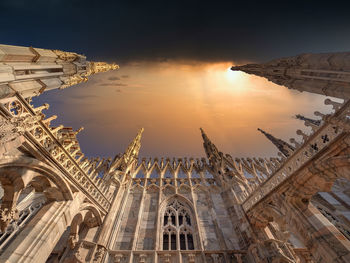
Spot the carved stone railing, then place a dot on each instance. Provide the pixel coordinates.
(320, 139)
(25, 214)
(173, 256)
(87, 251)
(27, 121)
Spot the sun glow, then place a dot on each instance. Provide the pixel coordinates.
(172, 99)
(233, 76)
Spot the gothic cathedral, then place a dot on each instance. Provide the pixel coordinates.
(58, 206)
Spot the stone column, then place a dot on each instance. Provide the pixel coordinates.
(107, 225)
(322, 238)
(39, 237)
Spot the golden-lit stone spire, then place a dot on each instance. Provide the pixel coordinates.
(211, 151)
(45, 69)
(97, 67)
(131, 153)
(324, 73)
(91, 69)
(281, 145)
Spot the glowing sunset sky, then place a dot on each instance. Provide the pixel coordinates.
(171, 100)
(197, 42)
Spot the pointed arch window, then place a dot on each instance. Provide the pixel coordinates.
(177, 227)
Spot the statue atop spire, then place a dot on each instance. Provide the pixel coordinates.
(282, 146)
(325, 73)
(212, 152)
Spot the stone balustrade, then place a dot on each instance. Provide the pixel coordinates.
(28, 122)
(313, 144)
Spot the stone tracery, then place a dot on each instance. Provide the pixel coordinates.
(177, 227)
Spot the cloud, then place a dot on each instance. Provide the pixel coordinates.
(114, 84)
(113, 78)
(232, 30)
(82, 97)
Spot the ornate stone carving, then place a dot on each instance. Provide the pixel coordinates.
(65, 56)
(99, 254)
(76, 257)
(16, 126)
(143, 258)
(117, 258)
(326, 74)
(73, 240)
(96, 67)
(191, 258)
(73, 80)
(6, 216)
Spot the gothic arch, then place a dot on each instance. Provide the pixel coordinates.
(178, 196)
(28, 168)
(18, 173)
(88, 216)
(178, 224)
(184, 188)
(93, 210)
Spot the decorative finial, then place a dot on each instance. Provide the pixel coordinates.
(79, 130)
(301, 133)
(97, 67)
(336, 105)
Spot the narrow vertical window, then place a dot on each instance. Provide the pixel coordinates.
(165, 242)
(190, 242)
(180, 219)
(188, 220)
(173, 242)
(182, 242)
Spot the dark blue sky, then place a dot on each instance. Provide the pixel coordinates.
(200, 30)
